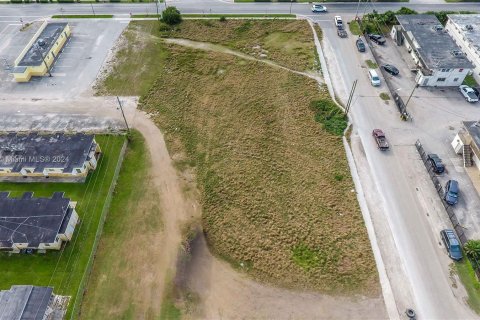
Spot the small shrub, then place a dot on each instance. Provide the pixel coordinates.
(223, 19)
(171, 16)
(384, 96)
(329, 114)
(339, 177)
(305, 257)
(163, 27)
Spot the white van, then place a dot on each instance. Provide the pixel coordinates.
(374, 78)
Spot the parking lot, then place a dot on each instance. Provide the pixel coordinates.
(74, 70)
(438, 114)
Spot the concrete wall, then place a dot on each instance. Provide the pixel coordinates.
(473, 56)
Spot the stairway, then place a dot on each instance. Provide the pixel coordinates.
(467, 156)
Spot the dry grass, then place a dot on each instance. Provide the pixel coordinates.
(276, 190)
(287, 42)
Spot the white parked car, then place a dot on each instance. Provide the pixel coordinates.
(318, 8)
(468, 93)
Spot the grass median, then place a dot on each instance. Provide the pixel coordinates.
(265, 145)
(65, 269)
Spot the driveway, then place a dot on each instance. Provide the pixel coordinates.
(76, 67)
(405, 209)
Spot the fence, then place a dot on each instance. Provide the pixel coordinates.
(451, 214)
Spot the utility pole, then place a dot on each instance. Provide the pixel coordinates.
(123, 114)
(92, 9)
(291, 3)
(354, 85)
(43, 58)
(356, 12)
(158, 14)
(411, 94)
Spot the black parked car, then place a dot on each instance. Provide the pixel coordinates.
(378, 39)
(360, 45)
(390, 69)
(451, 192)
(436, 163)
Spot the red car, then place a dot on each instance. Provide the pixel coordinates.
(380, 138)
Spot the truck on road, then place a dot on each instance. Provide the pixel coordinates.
(380, 138)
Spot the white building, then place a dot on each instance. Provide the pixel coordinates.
(440, 62)
(465, 30)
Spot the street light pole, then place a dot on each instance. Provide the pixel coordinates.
(123, 114)
(91, 4)
(411, 94)
(291, 3)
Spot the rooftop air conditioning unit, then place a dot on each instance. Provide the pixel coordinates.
(41, 42)
(438, 27)
(469, 27)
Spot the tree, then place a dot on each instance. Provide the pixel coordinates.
(171, 16)
(472, 249)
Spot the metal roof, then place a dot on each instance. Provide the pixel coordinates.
(24, 302)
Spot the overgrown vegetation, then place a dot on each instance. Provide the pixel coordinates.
(126, 254)
(470, 81)
(287, 42)
(271, 178)
(171, 16)
(354, 28)
(330, 116)
(384, 96)
(371, 64)
(470, 282)
(65, 269)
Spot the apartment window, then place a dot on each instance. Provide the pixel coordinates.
(455, 80)
(460, 70)
(441, 79)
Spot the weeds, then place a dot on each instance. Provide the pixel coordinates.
(327, 113)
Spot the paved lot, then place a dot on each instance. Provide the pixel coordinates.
(437, 114)
(75, 69)
(401, 197)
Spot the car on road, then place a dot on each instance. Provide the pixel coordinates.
(374, 78)
(436, 163)
(338, 22)
(468, 93)
(342, 33)
(451, 244)
(378, 39)
(318, 8)
(360, 45)
(451, 192)
(380, 139)
(390, 69)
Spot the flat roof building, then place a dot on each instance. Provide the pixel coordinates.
(41, 52)
(36, 223)
(465, 30)
(59, 156)
(439, 59)
(31, 303)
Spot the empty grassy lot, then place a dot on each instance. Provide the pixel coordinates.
(64, 269)
(289, 43)
(121, 285)
(277, 196)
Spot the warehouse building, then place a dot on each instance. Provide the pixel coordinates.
(41, 52)
(29, 223)
(465, 30)
(47, 157)
(31, 303)
(440, 61)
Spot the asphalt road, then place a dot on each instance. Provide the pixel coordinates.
(401, 188)
(13, 12)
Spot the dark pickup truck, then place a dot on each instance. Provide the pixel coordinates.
(379, 137)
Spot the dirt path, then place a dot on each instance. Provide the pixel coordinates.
(228, 294)
(207, 46)
(175, 207)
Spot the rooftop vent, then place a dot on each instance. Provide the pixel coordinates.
(469, 27)
(41, 42)
(437, 27)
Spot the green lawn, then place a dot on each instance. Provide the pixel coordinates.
(65, 269)
(467, 276)
(470, 81)
(354, 28)
(371, 64)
